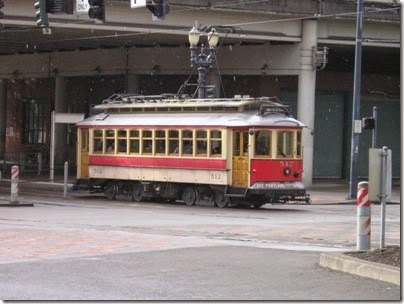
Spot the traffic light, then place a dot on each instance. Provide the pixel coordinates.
(41, 13)
(368, 123)
(159, 9)
(60, 7)
(1, 6)
(97, 9)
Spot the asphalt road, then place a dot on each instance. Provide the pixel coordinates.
(87, 248)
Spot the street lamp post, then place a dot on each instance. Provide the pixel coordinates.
(202, 60)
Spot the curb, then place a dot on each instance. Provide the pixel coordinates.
(359, 267)
(38, 185)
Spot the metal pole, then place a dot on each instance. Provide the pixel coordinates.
(383, 197)
(374, 132)
(356, 122)
(52, 149)
(202, 82)
(65, 179)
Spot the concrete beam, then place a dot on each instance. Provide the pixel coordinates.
(239, 60)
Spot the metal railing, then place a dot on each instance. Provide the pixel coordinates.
(28, 162)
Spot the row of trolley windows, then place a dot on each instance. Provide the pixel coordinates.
(278, 144)
(201, 143)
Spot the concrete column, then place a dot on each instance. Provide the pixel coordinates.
(306, 95)
(214, 79)
(3, 116)
(133, 84)
(60, 129)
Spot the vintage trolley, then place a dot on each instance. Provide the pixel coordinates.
(202, 151)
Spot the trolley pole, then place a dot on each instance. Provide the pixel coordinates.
(363, 217)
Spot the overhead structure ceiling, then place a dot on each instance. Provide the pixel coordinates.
(19, 35)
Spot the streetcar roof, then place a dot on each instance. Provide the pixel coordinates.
(187, 119)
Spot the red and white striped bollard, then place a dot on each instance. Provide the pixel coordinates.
(15, 177)
(363, 217)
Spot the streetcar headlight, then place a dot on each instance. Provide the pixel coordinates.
(286, 171)
(296, 174)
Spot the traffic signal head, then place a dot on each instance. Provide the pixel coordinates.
(97, 9)
(368, 123)
(159, 8)
(41, 13)
(60, 7)
(1, 6)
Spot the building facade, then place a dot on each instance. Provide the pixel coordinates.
(266, 48)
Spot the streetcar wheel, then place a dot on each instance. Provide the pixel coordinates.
(220, 200)
(137, 192)
(190, 196)
(111, 190)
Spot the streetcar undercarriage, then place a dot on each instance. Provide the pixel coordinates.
(191, 194)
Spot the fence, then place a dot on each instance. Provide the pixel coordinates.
(28, 162)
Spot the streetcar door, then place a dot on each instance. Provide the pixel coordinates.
(240, 158)
(83, 153)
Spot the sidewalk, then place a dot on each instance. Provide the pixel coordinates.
(321, 192)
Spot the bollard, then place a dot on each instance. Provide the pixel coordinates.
(363, 217)
(15, 177)
(66, 175)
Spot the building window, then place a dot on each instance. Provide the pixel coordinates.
(34, 123)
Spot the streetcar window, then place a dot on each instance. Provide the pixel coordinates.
(84, 140)
(147, 142)
(187, 142)
(97, 143)
(298, 144)
(284, 146)
(122, 141)
(160, 142)
(110, 141)
(173, 142)
(263, 143)
(236, 144)
(201, 143)
(134, 142)
(134, 133)
(215, 143)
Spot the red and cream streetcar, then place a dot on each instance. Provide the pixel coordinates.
(201, 151)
